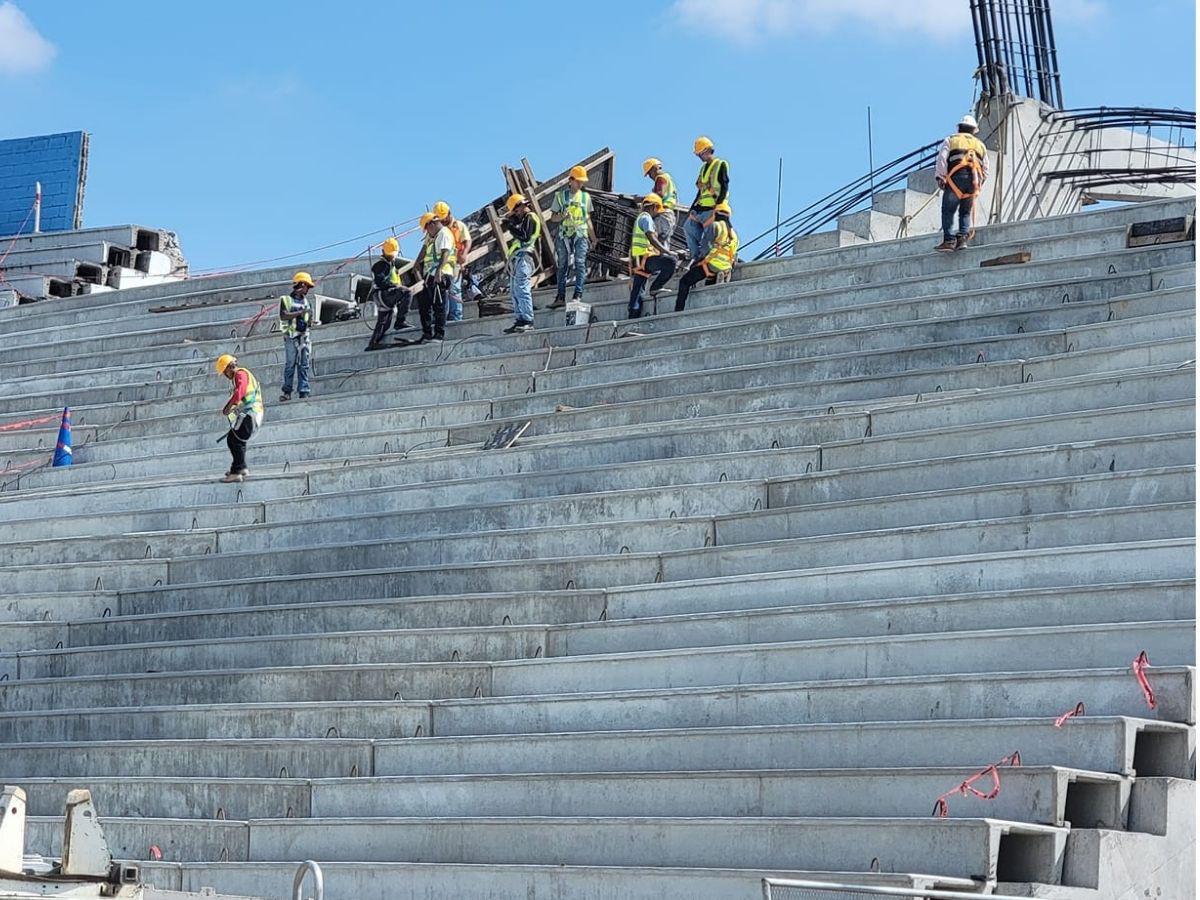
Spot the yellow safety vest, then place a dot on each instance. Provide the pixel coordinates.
(516, 246)
(640, 248)
(670, 196)
(393, 272)
(432, 256)
(251, 403)
(966, 152)
(575, 208)
(724, 249)
(288, 326)
(708, 183)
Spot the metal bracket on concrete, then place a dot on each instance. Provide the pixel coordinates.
(308, 867)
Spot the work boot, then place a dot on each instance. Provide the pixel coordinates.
(284, 398)
(559, 302)
(961, 241)
(372, 347)
(519, 328)
(403, 326)
(577, 296)
(232, 478)
(304, 396)
(945, 246)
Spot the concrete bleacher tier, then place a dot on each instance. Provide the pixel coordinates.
(758, 584)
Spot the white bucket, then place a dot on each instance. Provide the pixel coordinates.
(578, 312)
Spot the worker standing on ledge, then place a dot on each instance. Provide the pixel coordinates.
(526, 229)
(719, 246)
(244, 410)
(462, 246)
(391, 294)
(664, 187)
(572, 210)
(295, 322)
(712, 187)
(961, 170)
(439, 266)
(648, 255)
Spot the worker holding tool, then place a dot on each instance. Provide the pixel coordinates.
(295, 322)
(718, 249)
(961, 170)
(462, 246)
(438, 266)
(526, 228)
(664, 186)
(391, 294)
(244, 412)
(572, 210)
(649, 256)
(712, 187)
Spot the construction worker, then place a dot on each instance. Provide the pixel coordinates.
(295, 323)
(462, 246)
(649, 255)
(712, 187)
(718, 249)
(961, 170)
(664, 186)
(572, 210)
(390, 293)
(438, 266)
(526, 229)
(244, 412)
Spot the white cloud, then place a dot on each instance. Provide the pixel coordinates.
(750, 21)
(22, 49)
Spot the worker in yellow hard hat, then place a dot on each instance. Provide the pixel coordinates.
(571, 209)
(390, 294)
(462, 247)
(243, 411)
(649, 256)
(437, 262)
(526, 228)
(664, 187)
(718, 253)
(712, 187)
(295, 324)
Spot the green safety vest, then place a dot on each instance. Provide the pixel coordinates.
(670, 196)
(288, 326)
(250, 405)
(708, 183)
(432, 255)
(393, 272)
(516, 246)
(575, 209)
(724, 248)
(640, 248)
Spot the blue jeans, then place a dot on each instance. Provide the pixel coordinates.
(565, 247)
(694, 232)
(296, 350)
(454, 307)
(952, 206)
(521, 287)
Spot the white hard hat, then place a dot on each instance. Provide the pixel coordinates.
(969, 119)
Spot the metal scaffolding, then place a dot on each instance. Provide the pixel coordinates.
(1014, 40)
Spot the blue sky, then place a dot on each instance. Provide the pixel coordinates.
(258, 129)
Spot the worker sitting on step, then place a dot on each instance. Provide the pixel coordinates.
(462, 246)
(526, 229)
(719, 246)
(712, 187)
(962, 168)
(572, 210)
(664, 186)
(390, 294)
(648, 255)
(439, 266)
(244, 412)
(295, 322)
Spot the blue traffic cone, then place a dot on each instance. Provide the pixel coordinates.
(62, 451)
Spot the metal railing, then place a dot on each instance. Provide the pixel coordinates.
(308, 867)
(789, 889)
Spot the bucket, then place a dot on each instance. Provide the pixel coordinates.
(578, 312)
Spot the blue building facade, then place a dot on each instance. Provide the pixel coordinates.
(59, 162)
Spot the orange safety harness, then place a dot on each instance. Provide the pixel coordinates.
(968, 160)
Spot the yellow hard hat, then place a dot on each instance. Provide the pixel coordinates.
(224, 361)
(391, 247)
(702, 144)
(579, 173)
(653, 199)
(441, 209)
(514, 200)
(426, 218)
(650, 164)
(723, 207)
(303, 278)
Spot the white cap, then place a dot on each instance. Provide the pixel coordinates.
(969, 119)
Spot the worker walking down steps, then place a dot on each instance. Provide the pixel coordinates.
(719, 246)
(243, 410)
(712, 187)
(649, 256)
(295, 323)
(526, 228)
(961, 170)
(572, 210)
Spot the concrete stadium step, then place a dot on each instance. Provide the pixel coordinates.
(903, 698)
(1092, 743)
(1083, 646)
